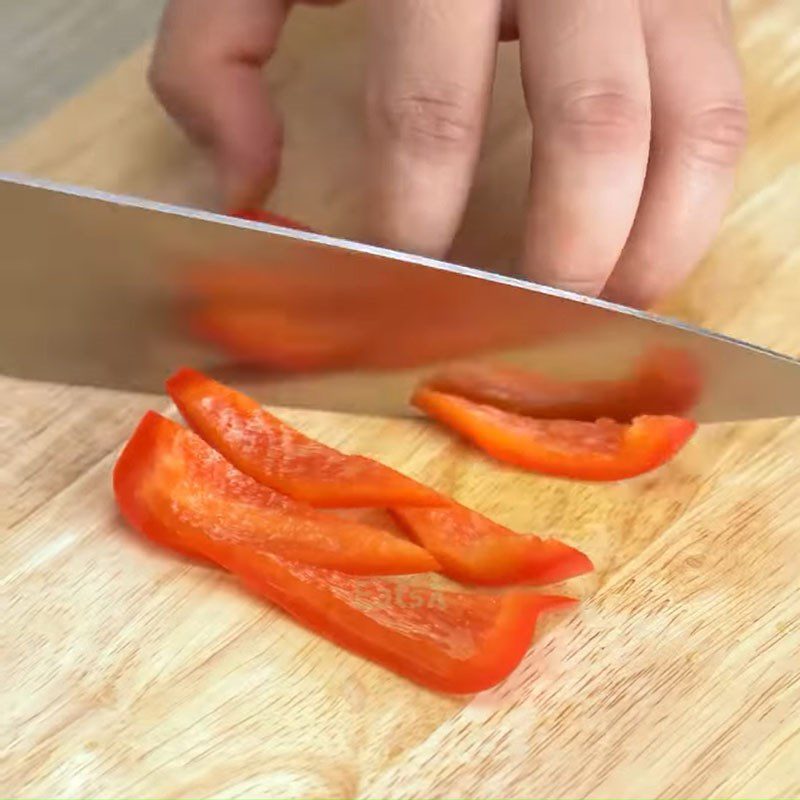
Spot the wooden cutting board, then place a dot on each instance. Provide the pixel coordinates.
(129, 672)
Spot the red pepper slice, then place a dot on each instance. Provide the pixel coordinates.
(171, 485)
(667, 381)
(277, 455)
(473, 549)
(447, 641)
(597, 451)
(469, 547)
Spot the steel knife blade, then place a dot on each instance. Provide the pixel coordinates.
(114, 291)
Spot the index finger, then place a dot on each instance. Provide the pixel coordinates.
(206, 70)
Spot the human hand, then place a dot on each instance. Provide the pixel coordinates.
(637, 111)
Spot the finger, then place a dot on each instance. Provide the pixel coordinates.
(586, 84)
(699, 129)
(207, 72)
(429, 78)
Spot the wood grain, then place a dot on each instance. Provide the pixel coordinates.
(129, 672)
(50, 435)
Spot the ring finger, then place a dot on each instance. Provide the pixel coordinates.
(699, 129)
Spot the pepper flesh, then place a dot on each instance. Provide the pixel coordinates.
(170, 484)
(469, 547)
(473, 549)
(277, 455)
(596, 451)
(454, 642)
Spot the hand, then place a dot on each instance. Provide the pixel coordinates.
(637, 111)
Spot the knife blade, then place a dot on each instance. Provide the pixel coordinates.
(114, 291)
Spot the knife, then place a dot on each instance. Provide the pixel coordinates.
(116, 292)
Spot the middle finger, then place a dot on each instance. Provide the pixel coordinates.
(428, 83)
(587, 87)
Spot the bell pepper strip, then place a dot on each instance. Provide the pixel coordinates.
(169, 482)
(594, 451)
(382, 518)
(456, 642)
(469, 547)
(278, 456)
(473, 549)
(667, 381)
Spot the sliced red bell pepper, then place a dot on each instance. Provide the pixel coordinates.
(667, 381)
(469, 547)
(447, 641)
(598, 451)
(473, 549)
(277, 455)
(171, 485)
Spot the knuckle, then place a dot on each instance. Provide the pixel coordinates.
(428, 117)
(599, 117)
(717, 135)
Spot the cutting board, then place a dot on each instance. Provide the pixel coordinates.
(129, 672)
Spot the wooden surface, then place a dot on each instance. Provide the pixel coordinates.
(128, 672)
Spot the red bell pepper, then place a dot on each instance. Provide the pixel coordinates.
(473, 549)
(597, 451)
(171, 485)
(447, 641)
(469, 547)
(667, 381)
(277, 455)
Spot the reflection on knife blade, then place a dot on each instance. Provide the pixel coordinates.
(90, 283)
